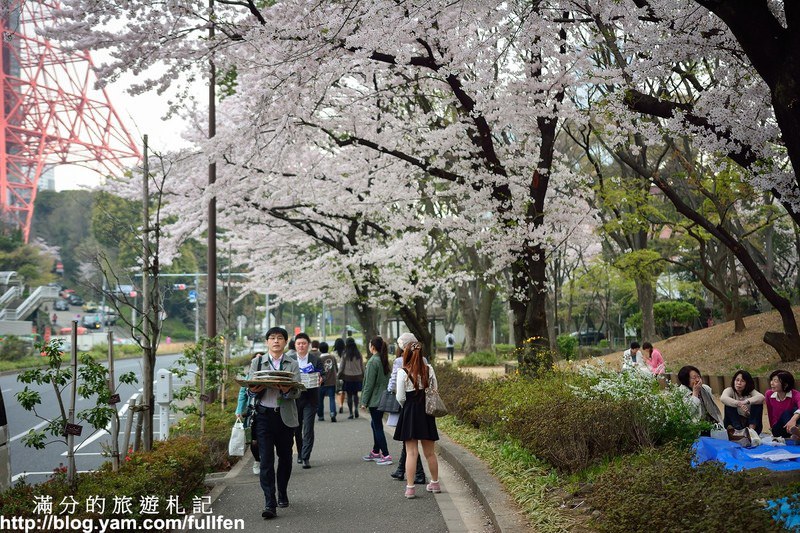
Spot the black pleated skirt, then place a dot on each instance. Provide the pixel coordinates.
(414, 422)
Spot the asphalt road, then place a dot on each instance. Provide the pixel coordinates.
(37, 465)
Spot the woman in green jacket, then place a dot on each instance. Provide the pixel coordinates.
(376, 380)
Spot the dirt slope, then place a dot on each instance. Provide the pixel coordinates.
(718, 350)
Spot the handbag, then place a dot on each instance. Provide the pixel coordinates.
(434, 405)
(236, 444)
(388, 403)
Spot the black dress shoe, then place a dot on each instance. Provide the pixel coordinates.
(397, 475)
(333, 418)
(350, 417)
(305, 464)
(283, 499)
(268, 512)
(299, 461)
(419, 480)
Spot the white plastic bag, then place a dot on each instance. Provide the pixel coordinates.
(718, 432)
(236, 444)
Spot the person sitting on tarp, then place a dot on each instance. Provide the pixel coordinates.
(698, 395)
(783, 405)
(744, 405)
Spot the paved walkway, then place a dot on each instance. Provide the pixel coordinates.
(341, 492)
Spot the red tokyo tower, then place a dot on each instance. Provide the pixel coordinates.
(51, 112)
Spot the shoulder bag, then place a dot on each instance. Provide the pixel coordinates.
(388, 402)
(434, 405)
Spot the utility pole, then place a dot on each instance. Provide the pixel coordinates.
(148, 358)
(211, 300)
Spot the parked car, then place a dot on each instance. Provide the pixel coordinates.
(90, 307)
(74, 299)
(91, 322)
(61, 305)
(65, 293)
(588, 338)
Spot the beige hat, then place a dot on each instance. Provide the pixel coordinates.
(405, 338)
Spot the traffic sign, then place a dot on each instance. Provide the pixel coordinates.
(192, 296)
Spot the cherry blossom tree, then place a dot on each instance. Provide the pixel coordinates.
(675, 70)
(466, 98)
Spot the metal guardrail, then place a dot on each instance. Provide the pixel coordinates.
(10, 295)
(29, 305)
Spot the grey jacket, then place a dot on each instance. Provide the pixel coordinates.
(288, 409)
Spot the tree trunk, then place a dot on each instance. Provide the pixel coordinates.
(787, 342)
(483, 333)
(736, 305)
(551, 321)
(470, 316)
(527, 303)
(368, 320)
(416, 320)
(644, 290)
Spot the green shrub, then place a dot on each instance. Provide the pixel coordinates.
(463, 393)
(584, 352)
(483, 358)
(604, 344)
(567, 346)
(571, 420)
(660, 490)
(13, 348)
(175, 328)
(123, 351)
(218, 423)
(504, 351)
(176, 467)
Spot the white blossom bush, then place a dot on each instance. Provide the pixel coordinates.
(665, 413)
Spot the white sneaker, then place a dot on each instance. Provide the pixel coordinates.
(256, 468)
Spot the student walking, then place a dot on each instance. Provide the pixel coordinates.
(308, 400)
(275, 420)
(415, 425)
(330, 368)
(351, 372)
(450, 344)
(376, 379)
(338, 351)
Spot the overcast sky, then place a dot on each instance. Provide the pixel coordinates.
(141, 114)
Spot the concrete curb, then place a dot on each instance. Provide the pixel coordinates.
(497, 504)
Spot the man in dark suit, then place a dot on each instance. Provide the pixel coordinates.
(310, 365)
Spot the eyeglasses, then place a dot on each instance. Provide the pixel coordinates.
(275, 337)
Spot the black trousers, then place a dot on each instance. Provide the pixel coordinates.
(304, 433)
(274, 438)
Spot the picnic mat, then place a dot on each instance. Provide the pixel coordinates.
(735, 457)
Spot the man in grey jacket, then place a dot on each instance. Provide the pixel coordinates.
(275, 420)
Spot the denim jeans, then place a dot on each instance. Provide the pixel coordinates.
(274, 438)
(378, 436)
(330, 393)
(733, 418)
(778, 430)
(304, 433)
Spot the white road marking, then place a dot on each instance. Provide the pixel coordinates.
(37, 426)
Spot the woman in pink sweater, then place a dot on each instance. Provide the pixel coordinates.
(783, 405)
(653, 359)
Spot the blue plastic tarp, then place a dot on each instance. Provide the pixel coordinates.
(735, 457)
